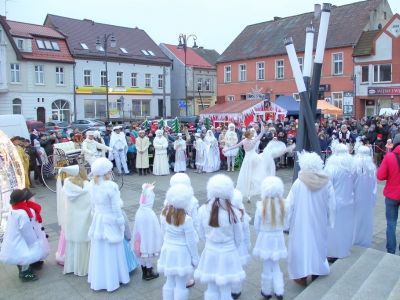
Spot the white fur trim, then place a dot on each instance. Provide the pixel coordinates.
(179, 196)
(220, 186)
(272, 186)
(231, 125)
(70, 170)
(310, 161)
(364, 151)
(341, 149)
(237, 199)
(101, 166)
(180, 178)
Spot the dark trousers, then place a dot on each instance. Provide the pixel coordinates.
(131, 160)
(392, 213)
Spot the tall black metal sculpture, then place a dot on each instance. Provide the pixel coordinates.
(307, 138)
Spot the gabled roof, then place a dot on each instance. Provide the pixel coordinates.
(266, 39)
(26, 30)
(133, 40)
(210, 55)
(365, 44)
(192, 58)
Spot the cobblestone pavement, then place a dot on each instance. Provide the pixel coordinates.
(52, 284)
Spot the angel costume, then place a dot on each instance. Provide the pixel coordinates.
(230, 140)
(92, 149)
(340, 168)
(310, 210)
(270, 244)
(147, 238)
(200, 152)
(212, 161)
(364, 197)
(180, 154)
(160, 164)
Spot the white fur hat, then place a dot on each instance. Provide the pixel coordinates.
(89, 132)
(101, 166)
(179, 196)
(180, 178)
(70, 170)
(341, 149)
(231, 125)
(364, 151)
(310, 161)
(220, 186)
(272, 186)
(159, 132)
(97, 134)
(117, 127)
(179, 134)
(237, 199)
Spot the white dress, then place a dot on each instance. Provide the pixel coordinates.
(340, 237)
(179, 250)
(230, 140)
(160, 164)
(107, 264)
(309, 213)
(180, 155)
(77, 222)
(246, 243)
(200, 152)
(212, 160)
(24, 242)
(270, 243)
(220, 261)
(90, 150)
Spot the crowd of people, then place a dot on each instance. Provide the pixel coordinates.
(328, 209)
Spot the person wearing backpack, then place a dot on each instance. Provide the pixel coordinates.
(389, 170)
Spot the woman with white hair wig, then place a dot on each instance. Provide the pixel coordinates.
(212, 161)
(340, 168)
(364, 197)
(310, 211)
(160, 164)
(220, 264)
(180, 154)
(231, 139)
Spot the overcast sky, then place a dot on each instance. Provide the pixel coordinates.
(215, 22)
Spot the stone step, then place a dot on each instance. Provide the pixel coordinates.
(319, 287)
(381, 281)
(394, 295)
(350, 282)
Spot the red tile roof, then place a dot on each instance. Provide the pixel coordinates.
(192, 58)
(231, 107)
(29, 30)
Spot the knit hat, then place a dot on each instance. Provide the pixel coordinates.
(379, 136)
(179, 196)
(220, 186)
(70, 170)
(237, 199)
(272, 186)
(396, 139)
(28, 194)
(180, 178)
(17, 196)
(101, 166)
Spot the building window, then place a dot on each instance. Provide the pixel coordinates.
(337, 99)
(337, 63)
(20, 44)
(242, 72)
(15, 73)
(383, 73)
(95, 108)
(199, 84)
(55, 46)
(301, 62)
(279, 69)
(60, 110)
(103, 78)
(160, 81)
(40, 44)
(296, 96)
(87, 77)
(134, 79)
(17, 106)
(141, 108)
(39, 74)
(120, 79)
(84, 46)
(227, 74)
(48, 46)
(147, 80)
(365, 74)
(123, 50)
(230, 98)
(207, 85)
(260, 69)
(60, 76)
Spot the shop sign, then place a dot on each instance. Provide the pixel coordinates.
(384, 91)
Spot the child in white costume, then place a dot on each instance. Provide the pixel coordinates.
(237, 202)
(180, 154)
(270, 245)
(179, 254)
(364, 197)
(200, 152)
(147, 238)
(25, 242)
(107, 263)
(220, 227)
(230, 140)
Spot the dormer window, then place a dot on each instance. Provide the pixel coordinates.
(55, 46)
(40, 44)
(100, 48)
(151, 53)
(48, 46)
(84, 46)
(20, 44)
(123, 50)
(145, 52)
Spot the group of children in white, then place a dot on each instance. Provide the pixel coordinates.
(328, 209)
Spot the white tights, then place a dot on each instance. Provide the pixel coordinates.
(231, 161)
(218, 292)
(175, 288)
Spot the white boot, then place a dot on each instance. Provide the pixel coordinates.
(168, 293)
(181, 294)
(266, 285)
(278, 283)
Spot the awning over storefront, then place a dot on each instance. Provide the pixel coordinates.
(329, 109)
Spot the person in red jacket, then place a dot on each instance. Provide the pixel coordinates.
(389, 170)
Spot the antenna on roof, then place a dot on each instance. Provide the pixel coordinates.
(5, 7)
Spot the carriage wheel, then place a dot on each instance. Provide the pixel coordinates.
(49, 171)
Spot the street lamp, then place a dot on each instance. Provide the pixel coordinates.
(183, 38)
(102, 45)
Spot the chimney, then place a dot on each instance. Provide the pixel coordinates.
(317, 10)
(277, 18)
